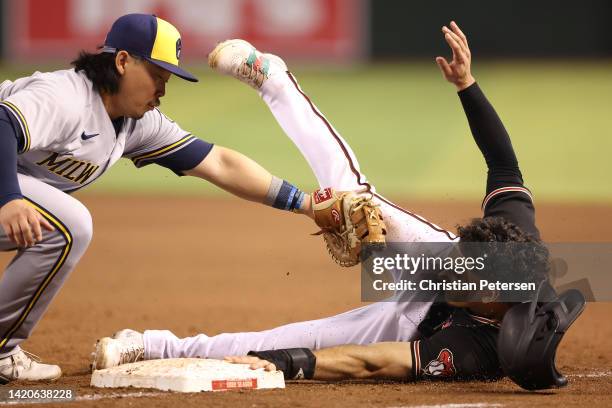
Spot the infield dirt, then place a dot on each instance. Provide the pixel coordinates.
(196, 265)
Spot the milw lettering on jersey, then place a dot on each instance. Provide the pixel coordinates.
(74, 170)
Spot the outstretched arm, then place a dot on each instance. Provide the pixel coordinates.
(506, 196)
(486, 126)
(388, 360)
(391, 360)
(243, 177)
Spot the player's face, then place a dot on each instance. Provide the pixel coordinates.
(142, 86)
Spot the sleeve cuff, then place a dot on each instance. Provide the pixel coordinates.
(186, 158)
(8, 198)
(502, 190)
(470, 90)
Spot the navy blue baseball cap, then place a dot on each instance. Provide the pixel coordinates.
(149, 37)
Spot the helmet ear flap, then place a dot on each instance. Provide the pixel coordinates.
(569, 306)
(529, 337)
(573, 303)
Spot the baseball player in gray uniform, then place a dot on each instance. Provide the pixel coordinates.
(60, 131)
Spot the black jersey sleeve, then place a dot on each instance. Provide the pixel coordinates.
(506, 196)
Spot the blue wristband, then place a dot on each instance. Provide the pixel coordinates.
(284, 195)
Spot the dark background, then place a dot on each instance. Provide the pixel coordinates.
(511, 28)
(497, 28)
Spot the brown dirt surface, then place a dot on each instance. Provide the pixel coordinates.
(213, 265)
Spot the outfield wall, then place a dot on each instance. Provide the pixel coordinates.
(320, 30)
(509, 28)
(334, 30)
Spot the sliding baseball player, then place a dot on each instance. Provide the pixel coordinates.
(402, 339)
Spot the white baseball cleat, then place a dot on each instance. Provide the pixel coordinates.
(241, 60)
(27, 367)
(126, 346)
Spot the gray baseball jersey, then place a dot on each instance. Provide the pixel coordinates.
(68, 140)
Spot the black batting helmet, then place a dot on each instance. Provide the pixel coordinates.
(529, 336)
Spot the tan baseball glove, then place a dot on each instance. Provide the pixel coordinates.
(348, 221)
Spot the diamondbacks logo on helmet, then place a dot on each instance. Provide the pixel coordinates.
(442, 366)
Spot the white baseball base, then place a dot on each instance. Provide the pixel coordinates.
(187, 375)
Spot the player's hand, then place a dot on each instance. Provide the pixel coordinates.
(253, 362)
(458, 71)
(22, 223)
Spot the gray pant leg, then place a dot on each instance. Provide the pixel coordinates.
(36, 274)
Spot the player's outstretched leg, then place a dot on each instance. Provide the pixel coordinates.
(300, 120)
(330, 157)
(369, 324)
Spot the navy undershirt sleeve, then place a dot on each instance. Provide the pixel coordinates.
(186, 158)
(9, 145)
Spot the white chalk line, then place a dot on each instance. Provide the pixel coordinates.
(96, 397)
(141, 394)
(596, 374)
(90, 397)
(464, 405)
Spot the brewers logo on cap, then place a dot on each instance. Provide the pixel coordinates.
(178, 48)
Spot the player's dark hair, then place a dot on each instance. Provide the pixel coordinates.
(493, 229)
(100, 69)
(527, 262)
